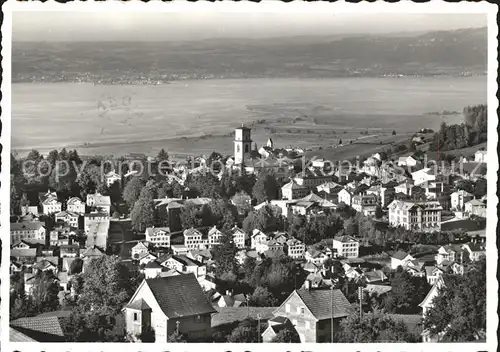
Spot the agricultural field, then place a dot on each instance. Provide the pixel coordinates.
(199, 116)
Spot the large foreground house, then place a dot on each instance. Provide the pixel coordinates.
(421, 216)
(311, 312)
(99, 202)
(169, 304)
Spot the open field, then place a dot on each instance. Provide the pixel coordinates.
(199, 116)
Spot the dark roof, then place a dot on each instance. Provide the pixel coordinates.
(140, 304)
(399, 255)
(40, 328)
(279, 320)
(180, 296)
(318, 301)
(153, 265)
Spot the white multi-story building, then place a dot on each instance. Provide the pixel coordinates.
(99, 202)
(365, 204)
(421, 216)
(214, 237)
(75, 205)
(51, 206)
(68, 217)
(26, 231)
(158, 236)
(480, 156)
(295, 248)
(239, 237)
(259, 241)
(193, 239)
(346, 246)
(459, 198)
(292, 190)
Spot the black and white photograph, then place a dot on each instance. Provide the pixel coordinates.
(235, 173)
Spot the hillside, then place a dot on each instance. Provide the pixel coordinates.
(458, 52)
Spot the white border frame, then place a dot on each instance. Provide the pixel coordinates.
(266, 6)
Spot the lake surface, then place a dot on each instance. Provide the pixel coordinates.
(69, 114)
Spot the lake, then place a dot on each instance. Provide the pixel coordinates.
(50, 115)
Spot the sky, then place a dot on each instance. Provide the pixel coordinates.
(165, 26)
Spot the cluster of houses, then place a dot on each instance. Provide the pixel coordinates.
(177, 262)
(36, 247)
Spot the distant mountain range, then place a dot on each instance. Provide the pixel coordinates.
(457, 52)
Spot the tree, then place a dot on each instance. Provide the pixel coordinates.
(480, 188)
(204, 185)
(373, 327)
(142, 214)
(132, 190)
(244, 333)
(177, 190)
(393, 133)
(248, 267)
(243, 202)
(162, 155)
(89, 180)
(176, 337)
(44, 292)
(107, 286)
(287, 335)
(224, 255)
(265, 188)
(406, 294)
(76, 266)
(261, 297)
(459, 310)
(148, 333)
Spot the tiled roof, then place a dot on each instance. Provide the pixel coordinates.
(25, 226)
(318, 301)
(399, 255)
(140, 304)
(40, 328)
(180, 296)
(30, 252)
(92, 252)
(152, 231)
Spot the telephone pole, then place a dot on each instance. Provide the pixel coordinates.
(360, 295)
(258, 327)
(331, 323)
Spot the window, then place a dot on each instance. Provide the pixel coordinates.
(287, 308)
(302, 311)
(308, 325)
(135, 317)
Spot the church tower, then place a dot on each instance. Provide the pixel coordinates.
(242, 145)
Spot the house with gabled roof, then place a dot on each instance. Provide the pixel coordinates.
(99, 202)
(311, 312)
(75, 205)
(158, 236)
(259, 241)
(399, 258)
(68, 217)
(169, 304)
(239, 237)
(475, 250)
(292, 190)
(138, 250)
(26, 231)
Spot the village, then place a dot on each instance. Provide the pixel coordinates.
(266, 246)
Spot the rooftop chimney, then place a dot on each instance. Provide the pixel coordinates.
(307, 285)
